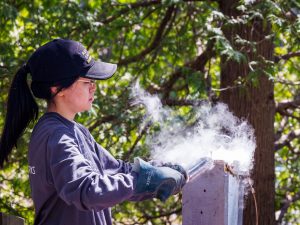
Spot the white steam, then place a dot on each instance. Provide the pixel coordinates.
(215, 134)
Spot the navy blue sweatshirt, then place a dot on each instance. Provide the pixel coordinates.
(74, 181)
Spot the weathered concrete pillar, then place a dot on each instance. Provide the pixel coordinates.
(213, 197)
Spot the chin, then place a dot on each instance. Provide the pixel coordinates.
(88, 108)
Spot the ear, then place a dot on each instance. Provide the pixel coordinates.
(55, 89)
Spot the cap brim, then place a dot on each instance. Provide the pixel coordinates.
(101, 70)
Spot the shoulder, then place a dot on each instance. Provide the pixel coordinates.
(51, 124)
(85, 131)
(83, 128)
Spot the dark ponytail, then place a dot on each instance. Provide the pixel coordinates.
(21, 110)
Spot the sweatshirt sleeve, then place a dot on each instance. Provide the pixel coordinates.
(114, 166)
(77, 183)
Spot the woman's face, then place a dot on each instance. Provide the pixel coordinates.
(79, 96)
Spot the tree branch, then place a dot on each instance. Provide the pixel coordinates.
(281, 107)
(289, 200)
(143, 132)
(155, 42)
(289, 114)
(286, 82)
(143, 3)
(4, 67)
(128, 8)
(136, 5)
(104, 119)
(183, 102)
(287, 56)
(280, 129)
(286, 139)
(198, 65)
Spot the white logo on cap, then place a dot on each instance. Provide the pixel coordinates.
(86, 55)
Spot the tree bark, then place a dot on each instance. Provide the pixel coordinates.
(256, 104)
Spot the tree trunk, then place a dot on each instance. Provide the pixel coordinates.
(254, 102)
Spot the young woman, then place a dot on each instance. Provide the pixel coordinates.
(73, 179)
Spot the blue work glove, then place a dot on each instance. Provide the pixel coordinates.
(159, 182)
(174, 166)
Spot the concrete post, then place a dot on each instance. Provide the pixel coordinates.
(212, 198)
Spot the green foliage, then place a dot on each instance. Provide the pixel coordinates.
(117, 31)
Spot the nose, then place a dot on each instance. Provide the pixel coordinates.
(93, 87)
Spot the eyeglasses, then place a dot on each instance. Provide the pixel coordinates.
(91, 83)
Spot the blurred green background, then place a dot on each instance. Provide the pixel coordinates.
(174, 49)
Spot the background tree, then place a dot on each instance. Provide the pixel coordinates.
(244, 53)
(254, 100)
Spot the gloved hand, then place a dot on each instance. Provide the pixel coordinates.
(159, 182)
(174, 166)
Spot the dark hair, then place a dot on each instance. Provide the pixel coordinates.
(22, 108)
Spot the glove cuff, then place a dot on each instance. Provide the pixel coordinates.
(136, 166)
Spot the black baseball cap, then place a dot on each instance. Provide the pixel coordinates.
(62, 59)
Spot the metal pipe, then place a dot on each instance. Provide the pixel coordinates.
(200, 166)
